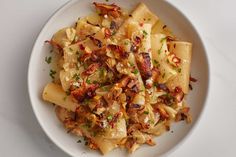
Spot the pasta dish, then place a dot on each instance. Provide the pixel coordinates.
(119, 78)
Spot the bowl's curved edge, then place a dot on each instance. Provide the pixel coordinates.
(47, 23)
(190, 132)
(70, 2)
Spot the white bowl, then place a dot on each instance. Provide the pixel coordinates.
(38, 77)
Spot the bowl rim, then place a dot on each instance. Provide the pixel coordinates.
(205, 100)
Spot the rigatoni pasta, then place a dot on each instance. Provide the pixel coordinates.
(123, 78)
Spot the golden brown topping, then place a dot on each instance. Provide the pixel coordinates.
(118, 51)
(85, 91)
(107, 32)
(91, 69)
(108, 9)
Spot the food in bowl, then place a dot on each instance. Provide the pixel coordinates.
(120, 78)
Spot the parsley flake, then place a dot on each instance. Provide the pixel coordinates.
(76, 77)
(48, 59)
(52, 73)
(88, 81)
(109, 118)
(145, 33)
(135, 71)
(163, 39)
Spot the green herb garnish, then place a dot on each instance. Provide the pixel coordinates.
(163, 39)
(105, 88)
(48, 59)
(126, 43)
(76, 77)
(109, 118)
(145, 33)
(88, 81)
(159, 51)
(68, 92)
(179, 70)
(52, 73)
(135, 71)
(146, 112)
(156, 63)
(70, 49)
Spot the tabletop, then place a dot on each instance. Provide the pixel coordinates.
(20, 133)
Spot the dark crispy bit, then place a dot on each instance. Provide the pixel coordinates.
(97, 25)
(161, 86)
(178, 94)
(113, 25)
(118, 51)
(85, 91)
(96, 42)
(144, 64)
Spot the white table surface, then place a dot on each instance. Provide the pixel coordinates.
(20, 133)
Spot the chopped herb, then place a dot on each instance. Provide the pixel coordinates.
(105, 88)
(70, 49)
(135, 71)
(109, 118)
(86, 126)
(145, 33)
(126, 43)
(156, 63)
(155, 84)
(86, 101)
(163, 75)
(76, 77)
(151, 122)
(159, 51)
(95, 133)
(107, 0)
(68, 92)
(102, 72)
(113, 33)
(65, 98)
(179, 70)
(79, 141)
(146, 112)
(48, 59)
(167, 60)
(149, 19)
(88, 81)
(163, 39)
(52, 73)
(132, 64)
